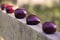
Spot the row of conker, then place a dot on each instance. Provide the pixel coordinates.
(48, 27)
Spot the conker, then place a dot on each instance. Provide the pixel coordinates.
(10, 9)
(3, 6)
(49, 27)
(20, 13)
(32, 20)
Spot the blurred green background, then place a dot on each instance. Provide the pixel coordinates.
(50, 12)
(45, 13)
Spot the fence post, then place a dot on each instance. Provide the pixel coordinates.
(17, 29)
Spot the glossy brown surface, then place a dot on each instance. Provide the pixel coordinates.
(32, 20)
(49, 27)
(3, 6)
(20, 13)
(10, 9)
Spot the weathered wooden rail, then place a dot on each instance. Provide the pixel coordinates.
(17, 29)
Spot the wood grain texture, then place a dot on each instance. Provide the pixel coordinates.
(17, 29)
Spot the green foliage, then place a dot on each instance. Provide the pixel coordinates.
(26, 6)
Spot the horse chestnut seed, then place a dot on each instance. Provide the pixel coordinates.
(3, 6)
(49, 27)
(32, 20)
(20, 13)
(10, 9)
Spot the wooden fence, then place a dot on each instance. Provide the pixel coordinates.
(17, 29)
